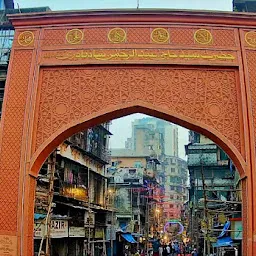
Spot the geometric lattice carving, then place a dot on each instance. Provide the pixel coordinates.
(12, 139)
(251, 60)
(205, 95)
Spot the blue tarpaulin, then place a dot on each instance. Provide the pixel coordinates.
(225, 229)
(129, 238)
(38, 216)
(224, 241)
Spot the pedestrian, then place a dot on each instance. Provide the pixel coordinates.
(156, 246)
(168, 249)
(164, 251)
(161, 250)
(176, 248)
(194, 252)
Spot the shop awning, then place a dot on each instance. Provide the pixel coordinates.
(224, 241)
(129, 238)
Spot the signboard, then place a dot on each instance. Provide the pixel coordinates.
(110, 233)
(87, 233)
(99, 233)
(89, 219)
(8, 245)
(129, 175)
(76, 232)
(59, 229)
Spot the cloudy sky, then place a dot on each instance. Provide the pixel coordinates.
(121, 128)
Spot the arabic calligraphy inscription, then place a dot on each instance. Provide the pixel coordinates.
(26, 38)
(139, 55)
(8, 245)
(250, 38)
(74, 36)
(203, 36)
(117, 35)
(160, 35)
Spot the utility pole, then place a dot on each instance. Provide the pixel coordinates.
(147, 221)
(112, 221)
(89, 213)
(205, 215)
(138, 4)
(47, 222)
(138, 219)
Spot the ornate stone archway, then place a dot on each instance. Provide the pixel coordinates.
(69, 71)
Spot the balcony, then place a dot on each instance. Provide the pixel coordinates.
(101, 153)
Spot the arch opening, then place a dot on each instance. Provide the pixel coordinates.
(151, 112)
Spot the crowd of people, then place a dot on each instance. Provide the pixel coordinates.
(173, 248)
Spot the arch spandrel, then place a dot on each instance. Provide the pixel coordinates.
(204, 96)
(67, 95)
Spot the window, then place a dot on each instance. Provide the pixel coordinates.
(170, 205)
(172, 170)
(132, 171)
(223, 155)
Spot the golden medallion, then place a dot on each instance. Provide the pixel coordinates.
(250, 38)
(117, 35)
(26, 38)
(160, 35)
(203, 36)
(74, 36)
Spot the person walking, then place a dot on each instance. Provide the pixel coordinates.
(156, 246)
(164, 251)
(168, 249)
(161, 250)
(194, 252)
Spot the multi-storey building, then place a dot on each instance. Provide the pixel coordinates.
(214, 195)
(159, 138)
(175, 180)
(6, 38)
(132, 178)
(153, 136)
(244, 5)
(78, 211)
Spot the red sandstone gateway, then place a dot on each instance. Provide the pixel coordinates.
(72, 70)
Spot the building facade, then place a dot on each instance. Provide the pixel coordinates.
(244, 5)
(214, 196)
(132, 178)
(72, 197)
(159, 138)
